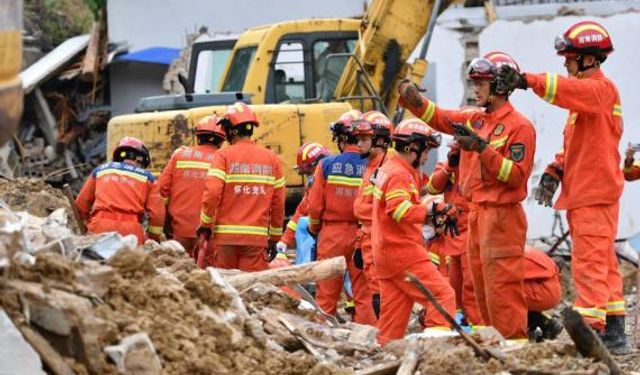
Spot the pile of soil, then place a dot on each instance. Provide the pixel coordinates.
(33, 196)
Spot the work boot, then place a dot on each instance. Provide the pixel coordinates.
(614, 336)
(541, 327)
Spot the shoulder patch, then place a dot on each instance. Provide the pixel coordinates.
(498, 130)
(516, 151)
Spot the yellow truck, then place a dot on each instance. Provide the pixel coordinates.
(298, 76)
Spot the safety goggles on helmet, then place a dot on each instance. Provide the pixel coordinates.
(481, 68)
(361, 127)
(562, 44)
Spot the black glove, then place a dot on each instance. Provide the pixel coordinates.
(203, 231)
(546, 189)
(357, 259)
(510, 79)
(467, 139)
(453, 157)
(272, 250)
(444, 217)
(410, 97)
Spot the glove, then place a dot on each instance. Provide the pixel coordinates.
(510, 79)
(453, 158)
(357, 259)
(204, 231)
(272, 250)
(471, 142)
(281, 247)
(546, 189)
(410, 97)
(444, 217)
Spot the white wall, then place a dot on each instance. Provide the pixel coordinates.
(149, 23)
(531, 44)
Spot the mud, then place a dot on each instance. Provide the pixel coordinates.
(33, 196)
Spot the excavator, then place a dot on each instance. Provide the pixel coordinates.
(298, 77)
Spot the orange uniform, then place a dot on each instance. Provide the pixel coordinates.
(494, 182)
(243, 202)
(117, 196)
(331, 198)
(398, 246)
(591, 139)
(632, 172)
(363, 210)
(542, 285)
(181, 187)
(446, 180)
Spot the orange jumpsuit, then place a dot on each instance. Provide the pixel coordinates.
(398, 246)
(115, 198)
(632, 172)
(591, 139)
(363, 210)
(494, 182)
(445, 179)
(181, 187)
(542, 285)
(335, 185)
(243, 202)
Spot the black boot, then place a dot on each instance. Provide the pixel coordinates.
(614, 336)
(549, 328)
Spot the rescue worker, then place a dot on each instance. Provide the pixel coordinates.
(398, 217)
(335, 185)
(631, 168)
(542, 291)
(307, 158)
(498, 145)
(591, 138)
(445, 179)
(118, 194)
(243, 200)
(374, 137)
(182, 183)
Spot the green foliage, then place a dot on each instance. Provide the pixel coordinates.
(54, 21)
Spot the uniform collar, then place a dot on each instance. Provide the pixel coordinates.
(351, 148)
(406, 165)
(246, 140)
(500, 112)
(206, 147)
(593, 74)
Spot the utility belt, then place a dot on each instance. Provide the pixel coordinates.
(117, 216)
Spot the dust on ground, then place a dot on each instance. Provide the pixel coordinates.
(33, 196)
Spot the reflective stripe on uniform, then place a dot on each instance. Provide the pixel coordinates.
(135, 176)
(497, 143)
(591, 312)
(368, 190)
(431, 189)
(377, 193)
(401, 210)
(165, 200)
(292, 225)
(615, 307)
(395, 194)
(250, 179)
(346, 181)
(184, 164)
(154, 230)
(205, 219)
(313, 221)
(429, 112)
(435, 259)
(241, 229)
(551, 87)
(279, 183)
(505, 169)
(275, 231)
(214, 172)
(617, 110)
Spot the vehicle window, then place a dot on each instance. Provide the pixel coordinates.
(328, 72)
(242, 59)
(209, 68)
(289, 73)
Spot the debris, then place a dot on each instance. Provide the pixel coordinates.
(18, 356)
(135, 355)
(410, 359)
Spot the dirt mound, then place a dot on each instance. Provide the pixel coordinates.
(33, 196)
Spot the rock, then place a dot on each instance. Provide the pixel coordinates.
(135, 355)
(18, 357)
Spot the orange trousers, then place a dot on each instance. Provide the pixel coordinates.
(497, 234)
(190, 245)
(369, 269)
(241, 257)
(337, 239)
(594, 264)
(543, 294)
(123, 224)
(461, 280)
(398, 296)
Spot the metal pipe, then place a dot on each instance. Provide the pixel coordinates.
(430, 27)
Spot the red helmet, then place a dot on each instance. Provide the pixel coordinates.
(344, 126)
(238, 114)
(209, 125)
(132, 149)
(486, 67)
(308, 156)
(362, 127)
(585, 38)
(415, 130)
(380, 123)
